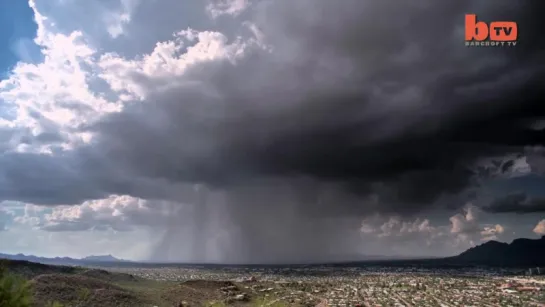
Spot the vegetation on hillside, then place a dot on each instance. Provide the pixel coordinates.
(14, 291)
(24, 284)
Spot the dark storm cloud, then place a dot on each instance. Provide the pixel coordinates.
(371, 97)
(519, 203)
(73, 177)
(360, 97)
(43, 179)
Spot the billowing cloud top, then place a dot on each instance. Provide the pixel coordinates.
(279, 117)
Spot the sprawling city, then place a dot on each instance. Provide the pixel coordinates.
(369, 286)
(364, 284)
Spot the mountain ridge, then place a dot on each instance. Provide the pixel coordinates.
(63, 260)
(520, 252)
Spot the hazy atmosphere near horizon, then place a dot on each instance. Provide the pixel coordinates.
(257, 131)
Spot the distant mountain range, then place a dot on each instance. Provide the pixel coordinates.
(521, 252)
(64, 260)
(103, 258)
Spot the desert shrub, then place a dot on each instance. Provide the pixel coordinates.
(216, 304)
(14, 291)
(83, 294)
(268, 302)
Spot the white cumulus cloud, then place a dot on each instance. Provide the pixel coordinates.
(540, 228)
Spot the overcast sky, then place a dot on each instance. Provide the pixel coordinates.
(270, 131)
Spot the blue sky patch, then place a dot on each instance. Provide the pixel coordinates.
(17, 32)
